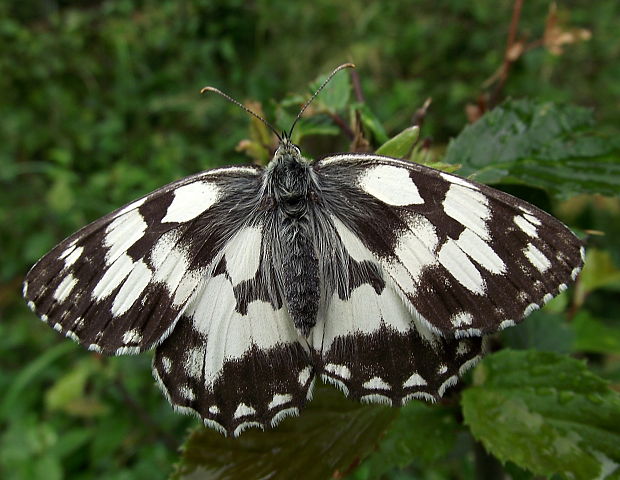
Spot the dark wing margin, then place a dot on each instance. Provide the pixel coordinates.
(469, 259)
(234, 370)
(376, 349)
(120, 284)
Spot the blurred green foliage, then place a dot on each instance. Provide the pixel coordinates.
(100, 105)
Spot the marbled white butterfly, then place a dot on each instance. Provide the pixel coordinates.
(379, 275)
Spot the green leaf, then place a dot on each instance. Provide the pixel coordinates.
(68, 393)
(542, 331)
(421, 433)
(371, 122)
(68, 387)
(318, 125)
(60, 196)
(546, 413)
(400, 145)
(336, 94)
(27, 450)
(326, 440)
(444, 167)
(29, 373)
(598, 271)
(592, 335)
(551, 146)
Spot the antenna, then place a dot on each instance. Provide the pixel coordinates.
(303, 109)
(232, 100)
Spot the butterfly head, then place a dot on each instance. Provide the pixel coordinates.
(287, 153)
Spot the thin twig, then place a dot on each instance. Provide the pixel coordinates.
(357, 86)
(342, 125)
(508, 58)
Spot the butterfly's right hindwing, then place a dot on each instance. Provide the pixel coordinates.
(120, 284)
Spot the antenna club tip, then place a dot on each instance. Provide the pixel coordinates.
(208, 89)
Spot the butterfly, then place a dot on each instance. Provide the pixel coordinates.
(378, 275)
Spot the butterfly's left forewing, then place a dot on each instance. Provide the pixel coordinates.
(120, 284)
(465, 258)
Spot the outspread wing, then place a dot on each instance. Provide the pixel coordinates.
(234, 369)
(416, 267)
(120, 284)
(376, 350)
(468, 259)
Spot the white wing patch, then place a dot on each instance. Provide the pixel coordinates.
(244, 410)
(229, 334)
(132, 206)
(171, 268)
(415, 250)
(364, 312)
(355, 248)
(163, 247)
(73, 257)
(113, 277)
(132, 336)
(279, 399)
(457, 180)
(537, 258)
(64, 288)
(526, 225)
(460, 267)
(468, 207)
(391, 185)
(480, 251)
(415, 380)
(376, 383)
(190, 201)
(132, 288)
(243, 254)
(122, 233)
(462, 318)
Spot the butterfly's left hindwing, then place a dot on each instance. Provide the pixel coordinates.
(120, 284)
(467, 259)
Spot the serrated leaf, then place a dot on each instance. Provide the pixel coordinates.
(546, 413)
(592, 335)
(551, 146)
(400, 145)
(421, 433)
(331, 435)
